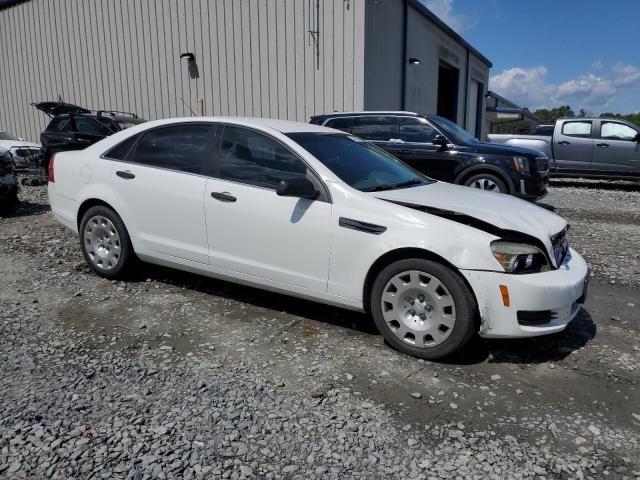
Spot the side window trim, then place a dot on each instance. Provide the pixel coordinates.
(325, 195)
(573, 135)
(438, 132)
(602, 122)
(130, 157)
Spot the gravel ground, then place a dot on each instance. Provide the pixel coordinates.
(171, 375)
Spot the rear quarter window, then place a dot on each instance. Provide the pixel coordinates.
(60, 124)
(577, 129)
(121, 150)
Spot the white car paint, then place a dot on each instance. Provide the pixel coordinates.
(297, 247)
(10, 145)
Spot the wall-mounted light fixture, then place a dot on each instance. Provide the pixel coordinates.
(414, 61)
(189, 56)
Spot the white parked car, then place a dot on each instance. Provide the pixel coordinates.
(19, 150)
(317, 213)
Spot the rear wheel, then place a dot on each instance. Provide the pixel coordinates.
(486, 181)
(422, 308)
(9, 204)
(105, 242)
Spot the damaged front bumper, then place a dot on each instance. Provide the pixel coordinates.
(538, 303)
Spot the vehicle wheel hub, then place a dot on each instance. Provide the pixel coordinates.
(418, 309)
(102, 243)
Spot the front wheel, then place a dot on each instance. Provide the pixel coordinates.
(423, 308)
(105, 242)
(486, 181)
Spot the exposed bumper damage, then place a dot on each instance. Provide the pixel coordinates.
(547, 301)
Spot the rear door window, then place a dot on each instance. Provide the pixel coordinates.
(343, 123)
(416, 130)
(577, 129)
(377, 128)
(185, 148)
(254, 158)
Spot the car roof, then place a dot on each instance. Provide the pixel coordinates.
(282, 126)
(369, 112)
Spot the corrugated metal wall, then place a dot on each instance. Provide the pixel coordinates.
(383, 54)
(426, 42)
(254, 57)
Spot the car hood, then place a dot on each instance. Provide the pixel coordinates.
(58, 108)
(503, 212)
(499, 149)
(8, 144)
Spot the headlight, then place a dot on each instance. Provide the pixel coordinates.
(519, 257)
(521, 164)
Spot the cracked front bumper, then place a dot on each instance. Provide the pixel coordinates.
(554, 296)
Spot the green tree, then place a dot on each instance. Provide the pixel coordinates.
(546, 116)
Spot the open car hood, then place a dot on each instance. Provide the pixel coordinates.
(57, 108)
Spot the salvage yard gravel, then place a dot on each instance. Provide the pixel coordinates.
(171, 375)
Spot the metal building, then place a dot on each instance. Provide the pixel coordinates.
(274, 58)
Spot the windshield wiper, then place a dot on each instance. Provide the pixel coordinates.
(388, 186)
(408, 183)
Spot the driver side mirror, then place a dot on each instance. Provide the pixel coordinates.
(298, 187)
(440, 140)
(637, 138)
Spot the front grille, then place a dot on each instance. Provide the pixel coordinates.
(542, 164)
(533, 318)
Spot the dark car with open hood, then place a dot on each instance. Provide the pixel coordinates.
(443, 150)
(74, 128)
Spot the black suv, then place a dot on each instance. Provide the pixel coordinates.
(74, 128)
(443, 150)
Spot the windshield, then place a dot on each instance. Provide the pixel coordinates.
(455, 132)
(359, 164)
(6, 136)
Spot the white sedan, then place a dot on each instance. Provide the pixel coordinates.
(316, 213)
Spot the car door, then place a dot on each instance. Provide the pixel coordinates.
(617, 150)
(160, 187)
(254, 232)
(573, 146)
(416, 149)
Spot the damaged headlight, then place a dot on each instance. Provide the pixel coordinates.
(519, 257)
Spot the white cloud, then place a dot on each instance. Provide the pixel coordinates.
(528, 86)
(625, 74)
(445, 11)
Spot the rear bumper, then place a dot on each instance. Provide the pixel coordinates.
(547, 301)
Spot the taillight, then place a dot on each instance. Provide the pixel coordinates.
(52, 177)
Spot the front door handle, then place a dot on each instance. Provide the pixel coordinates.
(223, 196)
(564, 142)
(127, 175)
(602, 145)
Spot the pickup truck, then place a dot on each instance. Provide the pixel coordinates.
(586, 147)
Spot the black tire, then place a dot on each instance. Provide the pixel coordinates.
(126, 258)
(10, 202)
(465, 308)
(501, 187)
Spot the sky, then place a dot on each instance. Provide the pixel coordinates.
(547, 53)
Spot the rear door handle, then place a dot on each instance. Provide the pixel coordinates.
(564, 142)
(127, 175)
(223, 196)
(602, 145)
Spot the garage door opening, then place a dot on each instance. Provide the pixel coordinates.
(448, 79)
